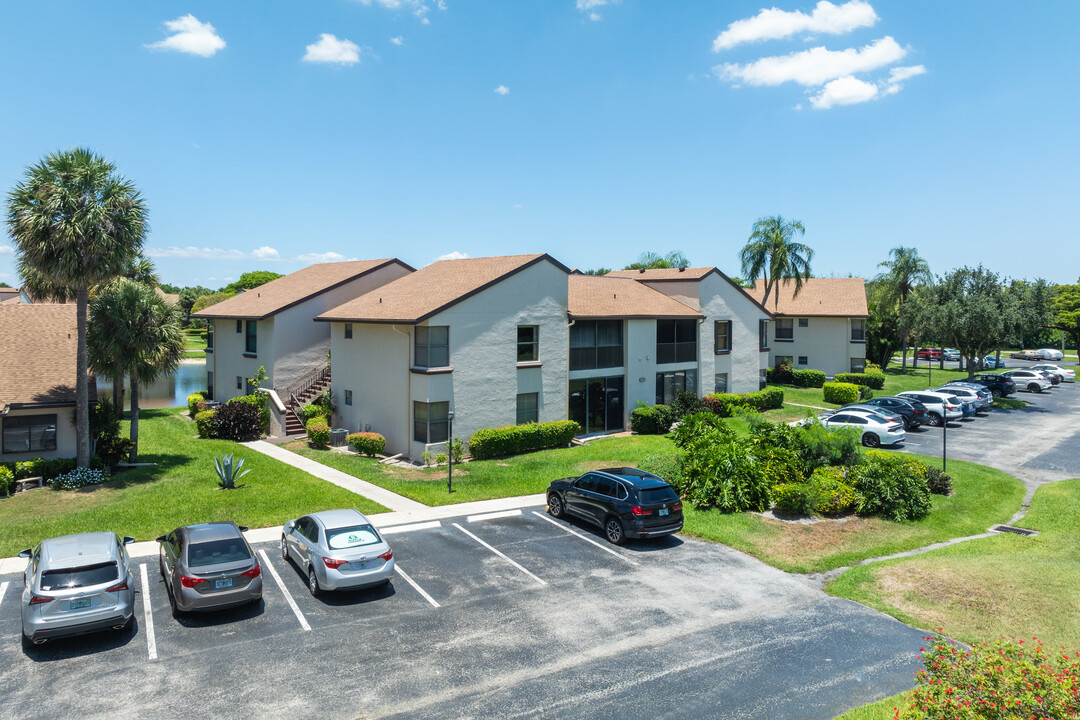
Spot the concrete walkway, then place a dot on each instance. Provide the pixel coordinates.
(384, 497)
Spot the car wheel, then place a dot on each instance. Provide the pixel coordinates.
(614, 530)
(176, 612)
(284, 549)
(27, 643)
(871, 440)
(555, 506)
(995, 392)
(933, 420)
(313, 583)
(907, 422)
(1034, 388)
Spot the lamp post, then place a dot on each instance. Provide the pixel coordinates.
(450, 453)
(944, 440)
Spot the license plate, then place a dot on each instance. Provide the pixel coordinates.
(361, 565)
(663, 512)
(80, 603)
(222, 584)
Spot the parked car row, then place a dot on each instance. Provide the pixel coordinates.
(1040, 354)
(83, 583)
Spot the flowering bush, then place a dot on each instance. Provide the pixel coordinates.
(318, 432)
(194, 400)
(1009, 679)
(367, 443)
(79, 477)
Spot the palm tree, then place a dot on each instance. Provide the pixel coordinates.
(771, 253)
(650, 261)
(75, 223)
(905, 271)
(134, 332)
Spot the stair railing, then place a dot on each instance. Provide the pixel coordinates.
(294, 406)
(306, 382)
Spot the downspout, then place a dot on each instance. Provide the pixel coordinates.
(408, 386)
(701, 380)
(566, 379)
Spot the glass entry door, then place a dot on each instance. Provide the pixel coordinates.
(596, 404)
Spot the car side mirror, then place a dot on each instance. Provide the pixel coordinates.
(243, 528)
(25, 554)
(160, 539)
(128, 539)
(290, 525)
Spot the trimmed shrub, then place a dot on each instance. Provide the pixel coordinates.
(237, 421)
(871, 380)
(318, 432)
(832, 495)
(440, 458)
(821, 447)
(30, 468)
(793, 498)
(513, 439)
(891, 487)
(113, 450)
(685, 403)
(665, 465)
(781, 374)
(260, 401)
(367, 443)
(939, 481)
(79, 477)
(840, 393)
(725, 404)
(204, 421)
(865, 393)
(807, 378)
(310, 412)
(7, 480)
(199, 396)
(655, 420)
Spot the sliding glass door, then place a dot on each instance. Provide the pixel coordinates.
(596, 404)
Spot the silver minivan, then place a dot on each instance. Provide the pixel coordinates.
(77, 584)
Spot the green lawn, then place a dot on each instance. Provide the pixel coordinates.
(180, 489)
(884, 709)
(982, 496)
(195, 343)
(485, 479)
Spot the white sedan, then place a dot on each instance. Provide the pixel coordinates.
(1063, 373)
(1049, 354)
(876, 429)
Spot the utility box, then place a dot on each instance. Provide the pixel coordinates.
(338, 436)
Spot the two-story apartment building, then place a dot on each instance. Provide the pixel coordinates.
(733, 336)
(37, 381)
(272, 325)
(470, 343)
(822, 328)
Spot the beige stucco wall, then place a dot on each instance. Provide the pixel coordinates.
(228, 361)
(826, 343)
(374, 365)
(65, 434)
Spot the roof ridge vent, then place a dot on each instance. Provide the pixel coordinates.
(682, 269)
(641, 270)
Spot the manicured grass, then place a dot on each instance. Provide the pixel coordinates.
(485, 479)
(983, 589)
(1009, 403)
(884, 709)
(981, 497)
(194, 343)
(181, 489)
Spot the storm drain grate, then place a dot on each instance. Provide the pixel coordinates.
(1015, 530)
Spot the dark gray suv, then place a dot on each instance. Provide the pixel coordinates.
(625, 502)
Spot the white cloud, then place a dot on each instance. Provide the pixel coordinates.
(518, 206)
(190, 36)
(397, 40)
(6, 250)
(265, 253)
(502, 90)
(843, 91)
(190, 251)
(900, 74)
(451, 256)
(329, 49)
(321, 257)
(589, 7)
(775, 24)
(813, 67)
(419, 8)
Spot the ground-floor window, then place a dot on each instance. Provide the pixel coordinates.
(29, 433)
(784, 360)
(858, 365)
(209, 385)
(763, 378)
(720, 385)
(528, 408)
(803, 360)
(596, 404)
(670, 384)
(430, 422)
(348, 397)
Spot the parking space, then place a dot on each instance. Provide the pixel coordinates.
(499, 615)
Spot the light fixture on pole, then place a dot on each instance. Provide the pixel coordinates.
(450, 449)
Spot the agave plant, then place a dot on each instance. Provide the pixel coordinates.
(229, 471)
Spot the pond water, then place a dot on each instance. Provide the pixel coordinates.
(166, 392)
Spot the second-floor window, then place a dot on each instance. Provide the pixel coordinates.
(210, 335)
(676, 341)
(252, 339)
(858, 330)
(348, 331)
(596, 344)
(785, 329)
(432, 346)
(722, 331)
(763, 334)
(528, 343)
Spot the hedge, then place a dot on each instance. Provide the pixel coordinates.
(875, 381)
(782, 375)
(724, 404)
(259, 401)
(193, 400)
(655, 420)
(205, 422)
(808, 378)
(367, 443)
(840, 393)
(318, 432)
(239, 421)
(7, 480)
(513, 439)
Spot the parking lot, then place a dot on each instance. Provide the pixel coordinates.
(507, 615)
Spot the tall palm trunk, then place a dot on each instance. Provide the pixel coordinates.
(133, 456)
(903, 362)
(82, 390)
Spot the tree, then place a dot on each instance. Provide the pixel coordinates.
(904, 272)
(1066, 311)
(882, 325)
(206, 301)
(771, 253)
(596, 271)
(251, 280)
(653, 261)
(76, 223)
(1034, 308)
(134, 332)
(969, 309)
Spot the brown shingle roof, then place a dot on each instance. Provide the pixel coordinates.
(37, 364)
(819, 297)
(294, 288)
(171, 298)
(694, 273)
(432, 289)
(611, 297)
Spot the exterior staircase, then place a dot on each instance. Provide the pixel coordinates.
(300, 393)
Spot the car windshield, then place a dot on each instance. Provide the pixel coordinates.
(657, 495)
(350, 537)
(217, 551)
(77, 577)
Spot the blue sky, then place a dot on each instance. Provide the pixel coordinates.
(271, 135)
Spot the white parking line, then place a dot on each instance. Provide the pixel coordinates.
(151, 641)
(409, 528)
(3, 589)
(406, 578)
(586, 539)
(284, 591)
(493, 515)
(500, 554)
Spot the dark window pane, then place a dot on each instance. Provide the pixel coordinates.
(587, 482)
(421, 359)
(78, 577)
(607, 357)
(665, 331)
(577, 402)
(439, 356)
(582, 358)
(439, 335)
(614, 403)
(437, 432)
(665, 353)
(421, 336)
(217, 551)
(686, 331)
